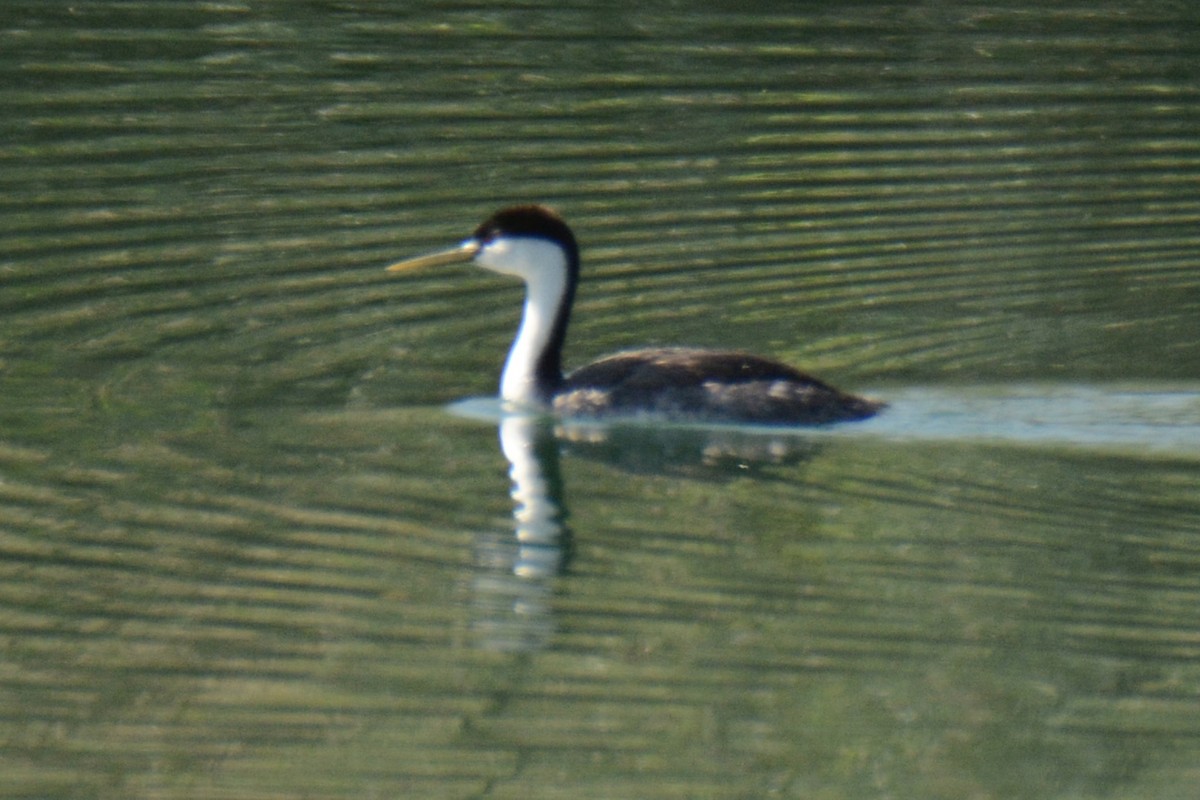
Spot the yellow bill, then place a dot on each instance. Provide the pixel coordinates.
(464, 252)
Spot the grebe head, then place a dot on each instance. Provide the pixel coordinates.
(526, 242)
(532, 243)
(529, 242)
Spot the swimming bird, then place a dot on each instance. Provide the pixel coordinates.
(531, 242)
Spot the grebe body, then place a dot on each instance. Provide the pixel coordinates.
(716, 385)
(534, 244)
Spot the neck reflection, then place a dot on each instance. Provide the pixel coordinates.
(514, 583)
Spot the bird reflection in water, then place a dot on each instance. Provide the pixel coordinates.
(711, 453)
(516, 572)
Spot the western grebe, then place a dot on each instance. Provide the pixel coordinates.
(532, 243)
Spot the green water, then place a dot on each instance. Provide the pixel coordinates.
(246, 550)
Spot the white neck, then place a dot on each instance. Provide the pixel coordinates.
(541, 265)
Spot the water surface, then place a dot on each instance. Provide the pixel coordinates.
(247, 551)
